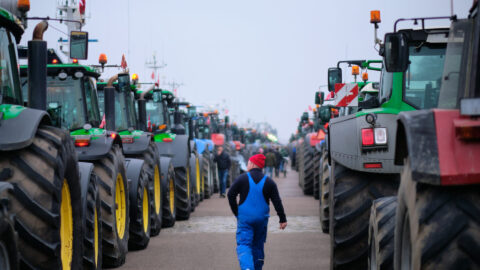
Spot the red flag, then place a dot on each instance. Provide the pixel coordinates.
(226, 111)
(103, 123)
(153, 75)
(124, 62)
(175, 92)
(81, 6)
(309, 108)
(158, 82)
(149, 124)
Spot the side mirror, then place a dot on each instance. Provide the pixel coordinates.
(319, 98)
(396, 52)
(79, 45)
(334, 76)
(324, 114)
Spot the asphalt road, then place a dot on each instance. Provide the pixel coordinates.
(207, 240)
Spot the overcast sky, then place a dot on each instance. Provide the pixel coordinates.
(263, 59)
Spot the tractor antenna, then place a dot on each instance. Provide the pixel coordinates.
(155, 66)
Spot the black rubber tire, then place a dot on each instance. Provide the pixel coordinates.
(308, 168)
(381, 233)
(300, 164)
(39, 173)
(214, 172)
(353, 193)
(153, 170)
(182, 193)
(441, 223)
(108, 169)
(325, 191)
(316, 173)
(168, 184)
(92, 217)
(195, 184)
(206, 177)
(139, 233)
(8, 236)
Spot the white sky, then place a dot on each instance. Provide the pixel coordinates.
(263, 59)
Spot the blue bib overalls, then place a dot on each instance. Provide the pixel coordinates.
(252, 225)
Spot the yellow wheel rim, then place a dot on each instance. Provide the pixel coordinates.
(66, 227)
(121, 206)
(197, 167)
(172, 195)
(157, 189)
(145, 210)
(188, 182)
(95, 235)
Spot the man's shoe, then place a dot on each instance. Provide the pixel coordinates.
(222, 195)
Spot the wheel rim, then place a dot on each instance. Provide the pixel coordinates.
(373, 253)
(157, 189)
(121, 206)
(406, 249)
(197, 171)
(95, 235)
(66, 227)
(4, 260)
(145, 210)
(172, 196)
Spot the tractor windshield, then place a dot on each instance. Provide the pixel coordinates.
(454, 74)
(93, 112)
(155, 112)
(424, 75)
(7, 85)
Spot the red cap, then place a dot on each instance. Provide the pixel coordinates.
(258, 160)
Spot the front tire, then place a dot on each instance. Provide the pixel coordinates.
(182, 193)
(325, 191)
(437, 227)
(169, 195)
(140, 213)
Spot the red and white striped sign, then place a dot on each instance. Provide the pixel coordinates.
(346, 95)
(81, 6)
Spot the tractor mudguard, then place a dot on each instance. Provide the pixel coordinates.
(97, 149)
(134, 169)
(210, 143)
(201, 146)
(164, 163)
(18, 132)
(345, 143)
(178, 150)
(139, 145)
(417, 139)
(85, 169)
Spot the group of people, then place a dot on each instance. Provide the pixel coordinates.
(256, 190)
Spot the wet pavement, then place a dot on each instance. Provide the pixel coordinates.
(207, 240)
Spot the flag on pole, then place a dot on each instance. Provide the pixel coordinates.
(81, 6)
(124, 62)
(153, 75)
(103, 123)
(309, 108)
(149, 124)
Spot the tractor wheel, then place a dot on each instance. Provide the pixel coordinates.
(169, 194)
(216, 180)
(352, 193)
(151, 166)
(182, 192)
(92, 239)
(194, 196)
(115, 206)
(46, 200)
(140, 213)
(308, 167)
(206, 177)
(380, 233)
(8, 236)
(316, 173)
(324, 190)
(437, 227)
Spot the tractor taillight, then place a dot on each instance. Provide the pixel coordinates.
(368, 137)
(377, 165)
(82, 142)
(127, 139)
(380, 135)
(167, 139)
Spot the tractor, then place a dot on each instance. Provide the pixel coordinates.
(361, 146)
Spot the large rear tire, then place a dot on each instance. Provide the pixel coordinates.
(152, 167)
(353, 193)
(316, 173)
(324, 190)
(115, 206)
(169, 198)
(182, 193)
(46, 200)
(8, 236)
(381, 233)
(437, 227)
(206, 177)
(308, 167)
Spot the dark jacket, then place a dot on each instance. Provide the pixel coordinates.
(223, 161)
(278, 158)
(270, 160)
(241, 187)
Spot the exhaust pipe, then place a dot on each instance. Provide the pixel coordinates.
(109, 102)
(37, 68)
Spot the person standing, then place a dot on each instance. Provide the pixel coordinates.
(256, 190)
(270, 161)
(223, 164)
(278, 161)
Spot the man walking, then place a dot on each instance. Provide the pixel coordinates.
(256, 190)
(270, 161)
(223, 164)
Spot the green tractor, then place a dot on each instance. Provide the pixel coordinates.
(39, 162)
(361, 146)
